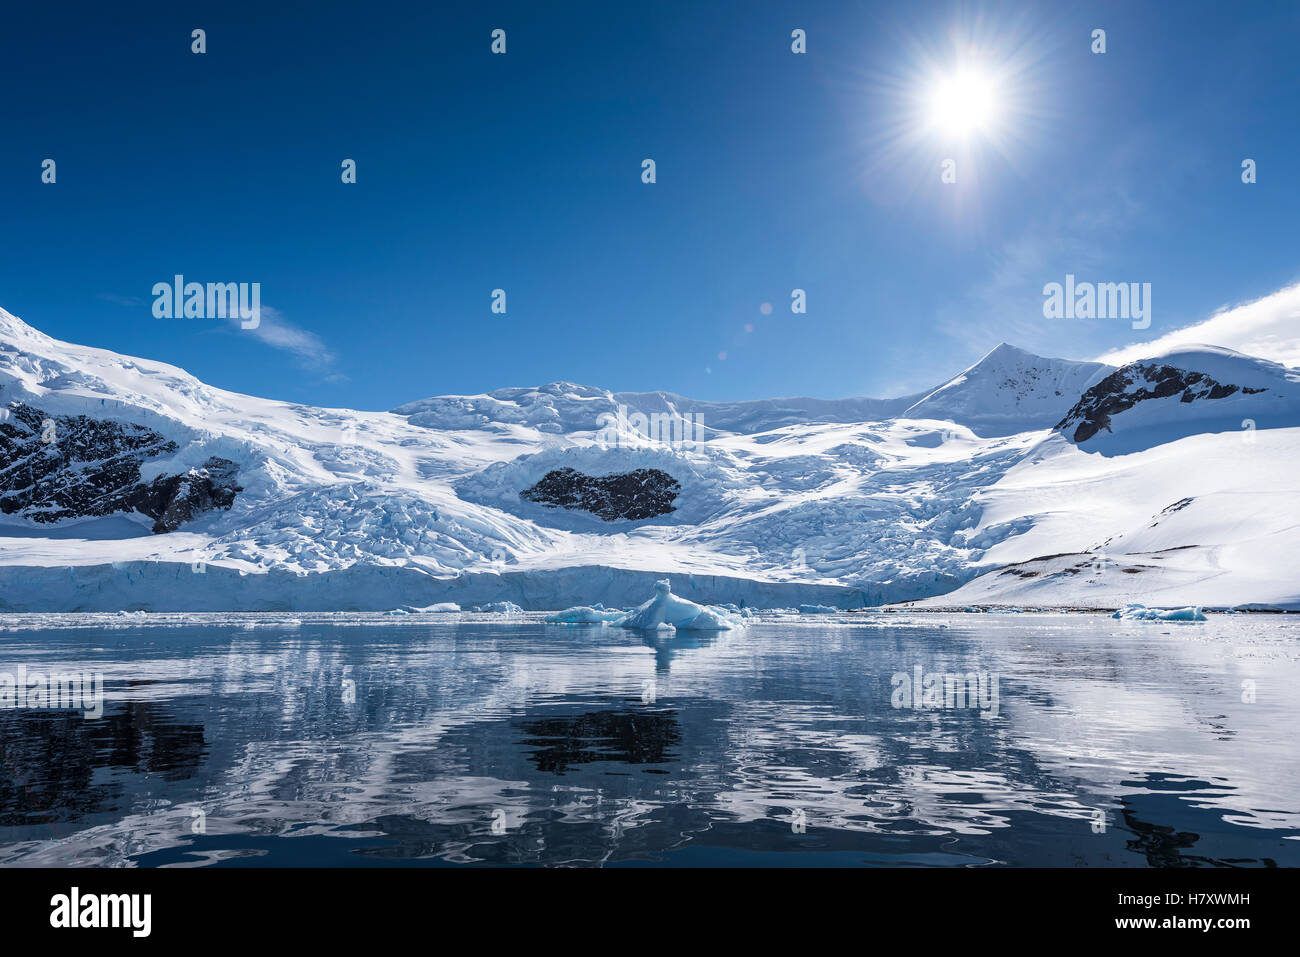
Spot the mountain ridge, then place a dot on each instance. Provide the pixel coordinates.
(803, 499)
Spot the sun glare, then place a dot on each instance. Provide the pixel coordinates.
(963, 103)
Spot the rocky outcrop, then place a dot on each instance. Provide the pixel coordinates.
(1134, 383)
(642, 493)
(60, 467)
(172, 500)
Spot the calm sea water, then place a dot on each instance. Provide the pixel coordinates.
(365, 741)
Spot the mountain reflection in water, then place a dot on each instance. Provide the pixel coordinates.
(356, 740)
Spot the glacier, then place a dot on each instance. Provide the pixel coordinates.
(981, 492)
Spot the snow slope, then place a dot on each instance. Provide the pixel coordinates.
(1188, 495)
(781, 502)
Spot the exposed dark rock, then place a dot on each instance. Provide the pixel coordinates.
(1178, 506)
(175, 499)
(58, 467)
(1134, 383)
(643, 493)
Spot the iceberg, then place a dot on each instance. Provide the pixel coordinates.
(1136, 612)
(442, 606)
(665, 611)
(586, 615)
(499, 608)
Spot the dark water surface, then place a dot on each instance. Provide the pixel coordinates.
(485, 740)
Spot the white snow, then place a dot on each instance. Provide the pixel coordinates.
(840, 503)
(1154, 422)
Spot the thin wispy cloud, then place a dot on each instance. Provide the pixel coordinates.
(278, 332)
(1267, 327)
(273, 330)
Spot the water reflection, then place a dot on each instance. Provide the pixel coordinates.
(58, 766)
(626, 737)
(347, 740)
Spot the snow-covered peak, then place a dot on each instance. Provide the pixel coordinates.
(1182, 392)
(1225, 365)
(1008, 391)
(1005, 352)
(77, 379)
(15, 333)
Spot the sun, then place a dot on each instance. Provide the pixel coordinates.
(976, 98)
(963, 103)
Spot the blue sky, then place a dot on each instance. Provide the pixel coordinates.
(775, 171)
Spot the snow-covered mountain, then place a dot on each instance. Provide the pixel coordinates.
(563, 407)
(1009, 391)
(127, 483)
(1180, 393)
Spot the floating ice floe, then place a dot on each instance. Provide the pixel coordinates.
(586, 615)
(817, 610)
(736, 611)
(442, 606)
(499, 608)
(664, 611)
(1136, 612)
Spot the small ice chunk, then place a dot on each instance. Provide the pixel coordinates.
(1136, 612)
(585, 615)
(499, 608)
